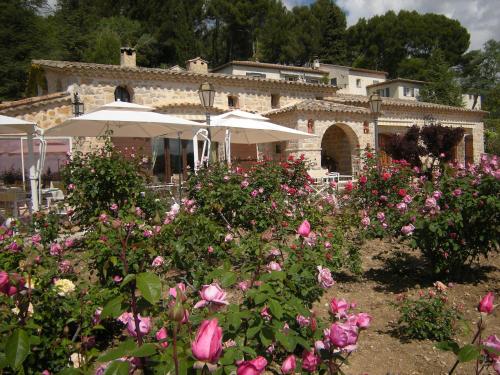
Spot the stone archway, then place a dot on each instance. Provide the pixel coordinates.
(339, 147)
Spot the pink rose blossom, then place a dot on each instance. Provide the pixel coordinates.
(407, 230)
(493, 343)
(343, 335)
(273, 266)
(264, 313)
(162, 335)
(303, 321)
(172, 292)
(365, 221)
(486, 304)
(310, 361)
(304, 229)
(158, 261)
(144, 325)
(325, 278)
(207, 346)
(380, 216)
(289, 364)
(339, 307)
(55, 249)
(211, 295)
(254, 367)
(363, 320)
(229, 237)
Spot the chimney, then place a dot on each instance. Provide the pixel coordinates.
(197, 65)
(315, 64)
(128, 57)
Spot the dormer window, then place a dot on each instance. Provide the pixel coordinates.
(232, 101)
(122, 94)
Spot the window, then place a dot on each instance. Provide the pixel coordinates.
(408, 91)
(358, 83)
(255, 74)
(275, 100)
(122, 94)
(384, 92)
(333, 81)
(291, 78)
(416, 91)
(318, 98)
(312, 80)
(232, 101)
(387, 92)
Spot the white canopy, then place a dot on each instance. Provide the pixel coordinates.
(249, 128)
(15, 126)
(125, 120)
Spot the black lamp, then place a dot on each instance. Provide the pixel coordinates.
(78, 106)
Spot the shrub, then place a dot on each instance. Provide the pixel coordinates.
(458, 218)
(97, 179)
(427, 318)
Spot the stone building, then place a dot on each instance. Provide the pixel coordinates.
(342, 122)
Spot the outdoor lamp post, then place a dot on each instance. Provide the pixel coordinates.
(78, 106)
(375, 105)
(207, 96)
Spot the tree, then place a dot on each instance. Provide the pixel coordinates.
(441, 86)
(384, 42)
(21, 39)
(480, 70)
(332, 26)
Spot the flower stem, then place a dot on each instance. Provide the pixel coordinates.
(174, 352)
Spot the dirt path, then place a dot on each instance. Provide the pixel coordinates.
(380, 351)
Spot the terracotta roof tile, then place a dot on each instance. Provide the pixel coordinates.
(318, 105)
(34, 101)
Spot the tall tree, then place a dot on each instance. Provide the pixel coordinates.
(21, 39)
(442, 86)
(385, 42)
(332, 24)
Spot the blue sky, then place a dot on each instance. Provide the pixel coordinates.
(480, 17)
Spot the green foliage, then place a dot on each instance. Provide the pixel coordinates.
(97, 179)
(47, 224)
(387, 41)
(427, 318)
(464, 225)
(441, 86)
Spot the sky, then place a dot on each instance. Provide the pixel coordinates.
(480, 17)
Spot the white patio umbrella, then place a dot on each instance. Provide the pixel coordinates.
(11, 126)
(248, 128)
(125, 120)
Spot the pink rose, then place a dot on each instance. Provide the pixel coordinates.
(264, 312)
(36, 238)
(55, 249)
(144, 325)
(303, 321)
(407, 230)
(380, 216)
(325, 278)
(254, 367)
(172, 292)
(273, 266)
(304, 229)
(365, 221)
(457, 192)
(288, 365)
(493, 343)
(229, 237)
(363, 320)
(310, 361)
(486, 304)
(211, 294)
(207, 346)
(339, 307)
(69, 242)
(243, 285)
(158, 261)
(343, 335)
(162, 335)
(113, 207)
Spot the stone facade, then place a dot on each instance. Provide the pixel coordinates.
(342, 123)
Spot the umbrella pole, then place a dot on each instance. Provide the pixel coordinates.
(179, 164)
(32, 173)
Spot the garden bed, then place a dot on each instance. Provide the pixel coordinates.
(380, 350)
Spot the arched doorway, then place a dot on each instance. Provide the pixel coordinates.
(339, 149)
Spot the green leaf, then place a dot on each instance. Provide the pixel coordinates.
(150, 286)
(112, 308)
(17, 348)
(468, 353)
(130, 277)
(144, 351)
(260, 298)
(70, 371)
(118, 368)
(228, 279)
(287, 341)
(121, 351)
(448, 346)
(276, 308)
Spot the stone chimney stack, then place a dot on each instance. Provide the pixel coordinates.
(128, 57)
(197, 65)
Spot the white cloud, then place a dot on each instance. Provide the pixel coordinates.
(480, 17)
